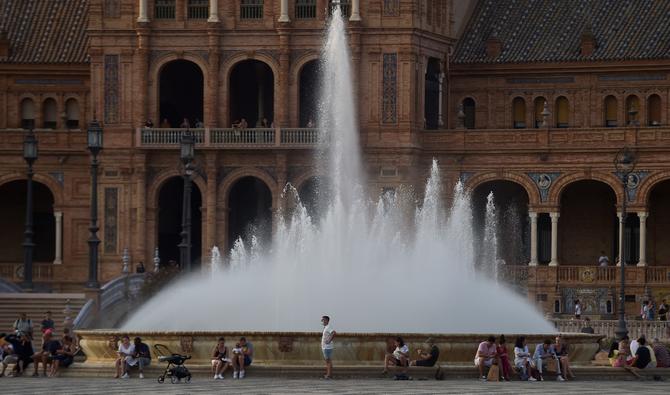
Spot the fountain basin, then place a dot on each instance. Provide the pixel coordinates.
(304, 348)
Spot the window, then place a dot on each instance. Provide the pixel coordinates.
(164, 9)
(562, 111)
(539, 104)
(72, 113)
(611, 111)
(305, 9)
(519, 113)
(469, 111)
(198, 9)
(632, 110)
(345, 6)
(251, 9)
(27, 114)
(49, 114)
(654, 110)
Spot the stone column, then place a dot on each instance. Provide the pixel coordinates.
(143, 17)
(355, 11)
(141, 248)
(281, 107)
(554, 238)
(58, 215)
(213, 11)
(643, 238)
(283, 15)
(533, 238)
(621, 228)
(440, 120)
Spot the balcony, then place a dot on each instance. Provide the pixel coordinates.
(540, 139)
(586, 275)
(230, 138)
(13, 272)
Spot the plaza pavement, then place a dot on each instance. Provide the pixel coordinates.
(77, 386)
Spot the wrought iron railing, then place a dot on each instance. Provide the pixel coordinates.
(198, 9)
(305, 9)
(164, 9)
(345, 6)
(251, 9)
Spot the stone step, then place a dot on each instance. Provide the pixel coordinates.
(296, 371)
(34, 305)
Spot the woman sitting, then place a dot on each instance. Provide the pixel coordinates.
(501, 350)
(522, 359)
(561, 350)
(220, 360)
(399, 358)
(64, 356)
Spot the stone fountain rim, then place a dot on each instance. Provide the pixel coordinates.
(573, 335)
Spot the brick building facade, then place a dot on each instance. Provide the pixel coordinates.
(531, 100)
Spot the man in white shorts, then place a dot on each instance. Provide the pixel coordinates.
(486, 354)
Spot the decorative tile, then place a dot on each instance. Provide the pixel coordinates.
(390, 88)
(111, 220)
(111, 89)
(391, 7)
(543, 181)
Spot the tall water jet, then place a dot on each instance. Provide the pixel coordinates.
(389, 266)
(490, 259)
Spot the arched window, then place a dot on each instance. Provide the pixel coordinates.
(611, 111)
(49, 114)
(431, 105)
(519, 113)
(562, 111)
(27, 113)
(654, 110)
(469, 111)
(632, 110)
(72, 113)
(539, 109)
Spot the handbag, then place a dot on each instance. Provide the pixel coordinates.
(494, 373)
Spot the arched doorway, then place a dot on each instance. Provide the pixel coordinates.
(658, 224)
(431, 104)
(654, 110)
(182, 91)
(588, 223)
(469, 112)
(632, 110)
(519, 113)
(252, 92)
(27, 113)
(310, 86)
(611, 110)
(170, 208)
(511, 209)
(562, 112)
(250, 211)
(13, 214)
(315, 196)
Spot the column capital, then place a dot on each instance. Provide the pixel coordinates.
(58, 214)
(642, 214)
(555, 215)
(355, 11)
(533, 214)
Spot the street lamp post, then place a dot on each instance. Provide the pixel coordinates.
(186, 154)
(30, 156)
(624, 163)
(94, 139)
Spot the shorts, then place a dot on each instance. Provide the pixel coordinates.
(65, 360)
(10, 359)
(327, 353)
(425, 362)
(400, 363)
(247, 360)
(487, 362)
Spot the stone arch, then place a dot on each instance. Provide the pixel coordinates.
(228, 66)
(162, 177)
(470, 119)
(154, 83)
(54, 186)
(298, 181)
(524, 181)
(294, 94)
(236, 175)
(559, 185)
(648, 184)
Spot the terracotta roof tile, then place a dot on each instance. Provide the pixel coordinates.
(45, 31)
(550, 30)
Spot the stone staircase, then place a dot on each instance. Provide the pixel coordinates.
(35, 304)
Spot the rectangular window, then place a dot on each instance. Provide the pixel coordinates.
(305, 9)
(198, 9)
(165, 9)
(345, 6)
(251, 9)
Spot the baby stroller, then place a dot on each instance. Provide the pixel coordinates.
(175, 368)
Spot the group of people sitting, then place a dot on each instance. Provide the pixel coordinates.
(531, 367)
(638, 354)
(399, 359)
(239, 358)
(16, 349)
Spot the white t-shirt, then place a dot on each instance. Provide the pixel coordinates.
(603, 260)
(128, 351)
(634, 345)
(578, 309)
(401, 350)
(327, 338)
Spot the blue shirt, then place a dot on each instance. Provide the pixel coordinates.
(540, 352)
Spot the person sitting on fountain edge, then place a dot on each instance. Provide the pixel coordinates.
(428, 356)
(220, 360)
(399, 358)
(544, 352)
(486, 355)
(242, 356)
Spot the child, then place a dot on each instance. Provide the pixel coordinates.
(501, 350)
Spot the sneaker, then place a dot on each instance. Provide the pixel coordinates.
(241, 374)
(216, 377)
(125, 376)
(483, 378)
(540, 378)
(235, 374)
(221, 377)
(141, 375)
(559, 378)
(532, 378)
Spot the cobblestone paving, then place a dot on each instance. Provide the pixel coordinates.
(76, 386)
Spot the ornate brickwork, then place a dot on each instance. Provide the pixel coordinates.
(111, 89)
(390, 88)
(111, 220)
(391, 7)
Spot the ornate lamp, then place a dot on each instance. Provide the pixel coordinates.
(30, 153)
(94, 142)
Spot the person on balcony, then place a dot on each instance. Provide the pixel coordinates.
(310, 123)
(149, 123)
(243, 124)
(663, 311)
(185, 124)
(199, 124)
(165, 124)
(603, 260)
(264, 123)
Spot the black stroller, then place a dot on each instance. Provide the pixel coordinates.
(175, 368)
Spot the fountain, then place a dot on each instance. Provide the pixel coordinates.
(376, 269)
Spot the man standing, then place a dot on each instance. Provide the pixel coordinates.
(663, 311)
(47, 323)
(327, 345)
(603, 260)
(578, 310)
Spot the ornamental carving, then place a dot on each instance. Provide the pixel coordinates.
(113, 343)
(390, 88)
(543, 181)
(285, 344)
(186, 344)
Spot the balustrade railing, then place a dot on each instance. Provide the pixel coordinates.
(299, 136)
(231, 137)
(657, 275)
(42, 271)
(651, 329)
(237, 136)
(169, 136)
